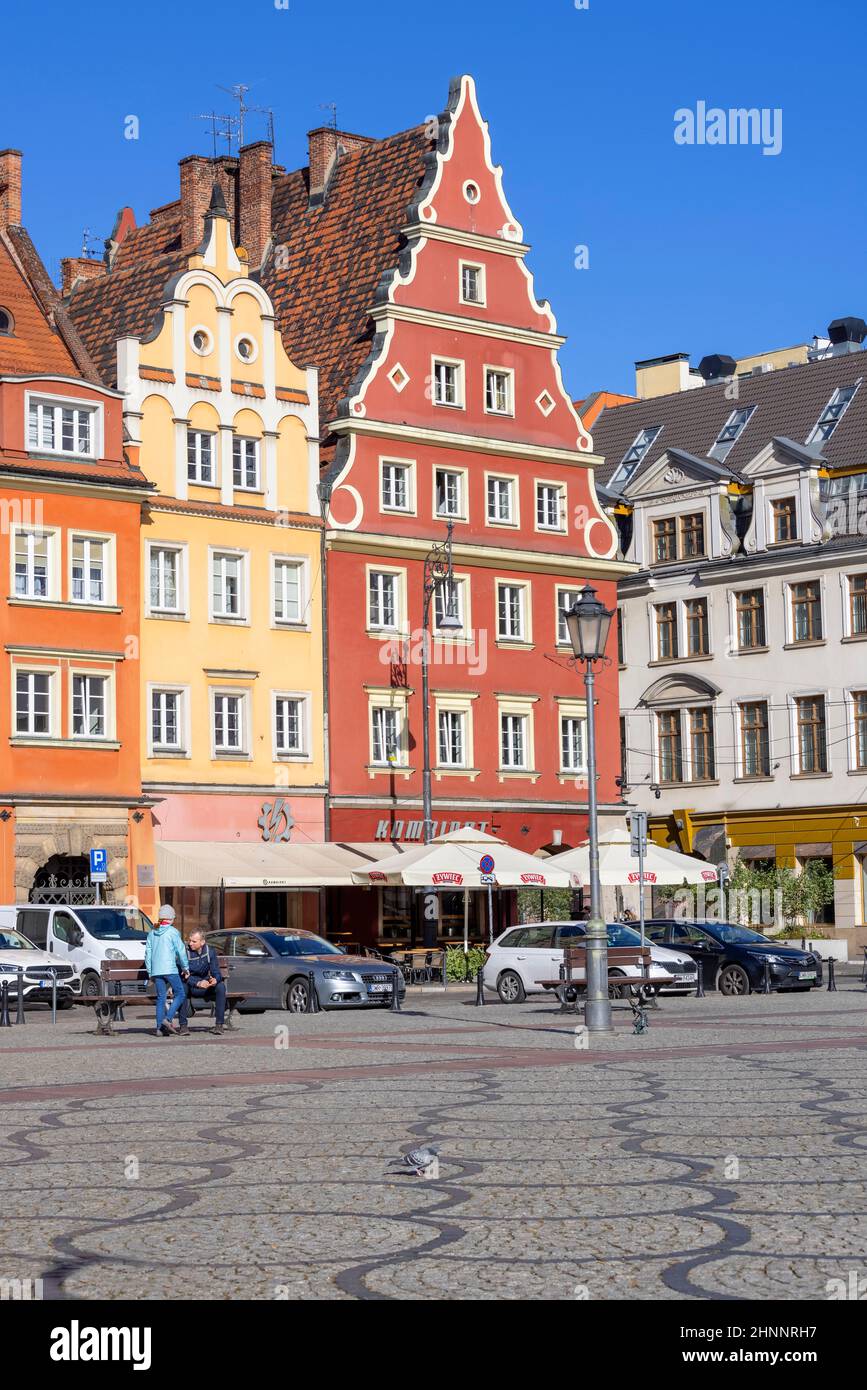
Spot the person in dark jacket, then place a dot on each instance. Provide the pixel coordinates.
(205, 981)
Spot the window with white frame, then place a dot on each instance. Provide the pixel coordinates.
(245, 463)
(229, 718)
(383, 600)
(89, 570)
(449, 487)
(472, 283)
(566, 599)
(501, 501)
(550, 506)
(857, 614)
(167, 720)
(386, 734)
(451, 737)
(89, 706)
(288, 578)
(859, 730)
(33, 703)
(513, 740)
(832, 414)
(511, 616)
(201, 450)
(289, 725)
(499, 391)
(165, 579)
(449, 600)
(227, 584)
(62, 429)
(33, 560)
(396, 486)
(573, 743)
(448, 386)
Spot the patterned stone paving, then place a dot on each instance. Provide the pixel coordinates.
(722, 1155)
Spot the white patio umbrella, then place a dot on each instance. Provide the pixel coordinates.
(618, 867)
(463, 859)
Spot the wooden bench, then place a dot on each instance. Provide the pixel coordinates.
(575, 958)
(126, 983)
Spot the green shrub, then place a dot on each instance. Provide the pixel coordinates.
(463, 967)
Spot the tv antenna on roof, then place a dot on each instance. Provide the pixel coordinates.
(89, 242)
(222, 128)
(332, 107)
(239, 93)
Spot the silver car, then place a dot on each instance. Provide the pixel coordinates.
(274, 968)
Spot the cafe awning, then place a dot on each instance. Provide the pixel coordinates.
(462, 859)
(239, 864)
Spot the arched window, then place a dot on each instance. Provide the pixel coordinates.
(7, 324)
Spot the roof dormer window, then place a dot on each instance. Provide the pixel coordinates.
(56, 428)
(832, 414)
(730, 432)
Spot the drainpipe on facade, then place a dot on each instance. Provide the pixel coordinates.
(324, 490)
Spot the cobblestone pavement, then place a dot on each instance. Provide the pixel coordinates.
(721, 1155)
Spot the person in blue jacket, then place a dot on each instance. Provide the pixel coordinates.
(166, 962)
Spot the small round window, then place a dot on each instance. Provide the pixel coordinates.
(246, 349)
(5, 321)
(471, 192)
(201, 341)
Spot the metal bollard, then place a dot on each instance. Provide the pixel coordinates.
(699, 980)
(19, 1012)
(766, 977)
(312, 996)
(395, 992)
(832, 983)
(480, 985)
(5, 1020)
(54, 996)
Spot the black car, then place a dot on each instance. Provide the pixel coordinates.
(732, 958)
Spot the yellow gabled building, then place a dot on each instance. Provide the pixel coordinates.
(231, 648)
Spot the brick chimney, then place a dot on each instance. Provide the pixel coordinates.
(82, 268)
(197, 177)
(10, 188)
(324, 145)
(254, 199)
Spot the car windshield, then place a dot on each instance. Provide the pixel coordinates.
(14, 941)
(285, 944)
(115, 923)
(618, 934)
(734, 935)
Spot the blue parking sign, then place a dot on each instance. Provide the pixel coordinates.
(98, 865)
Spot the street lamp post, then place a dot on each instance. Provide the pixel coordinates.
(438, 573)
(588, 622)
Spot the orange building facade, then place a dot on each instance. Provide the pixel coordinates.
(70, 523)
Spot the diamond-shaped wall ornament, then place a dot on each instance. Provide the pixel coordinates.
(545, 403)
(398, 377)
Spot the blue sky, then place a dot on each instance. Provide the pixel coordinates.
(695, 249)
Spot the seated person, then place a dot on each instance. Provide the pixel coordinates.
(205, 981)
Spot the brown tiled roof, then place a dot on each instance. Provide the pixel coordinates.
(124, 303)
(121, 474)
(163, 503)
(323, 283)
(788, 403)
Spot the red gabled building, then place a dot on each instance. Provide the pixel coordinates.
(453, 412)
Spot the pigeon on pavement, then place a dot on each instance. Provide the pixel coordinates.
(416, 1160)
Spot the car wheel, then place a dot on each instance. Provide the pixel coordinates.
(615, 993)
(734, 981)
(510, 988)
(296, 996)
(91, 986)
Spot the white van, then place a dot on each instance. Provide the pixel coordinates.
(83, 936)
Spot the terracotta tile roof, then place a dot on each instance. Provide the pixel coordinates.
(76, 469)
(323, 284)
(788, 403)
(35, 346)
(124, 303)
(163, 503)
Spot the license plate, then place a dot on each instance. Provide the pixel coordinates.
(378, 989)
(44, 984)
(806, 974)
